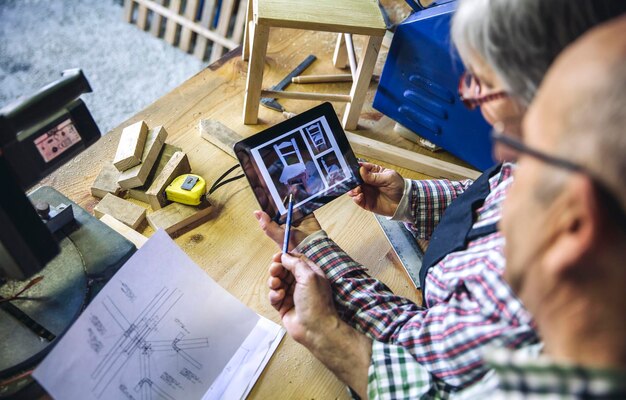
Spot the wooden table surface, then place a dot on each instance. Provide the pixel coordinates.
(230, 247)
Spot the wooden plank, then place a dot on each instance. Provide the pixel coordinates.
(408, 159)
(106, 181)
(166, 153)
(322, 78)
(130, 234)
(179, 19)
(281, 94)
(138, 175)
(206, 20)
(176, 166)
(122, 210)
(176, 218)
(226, 11)
(157, 21)
(361, 82)
(219, 135)
(191, 9)
(351, 54)
(171, 25)
(130, 146)
(247, 33)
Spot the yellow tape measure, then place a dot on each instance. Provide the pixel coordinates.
(187, 189)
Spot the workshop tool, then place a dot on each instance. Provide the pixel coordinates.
(405, 246)
(272, 103)
(187, 189)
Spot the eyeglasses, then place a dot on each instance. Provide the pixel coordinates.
(470, 92)
(609, 200)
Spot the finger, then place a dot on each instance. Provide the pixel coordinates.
(359, 199)
(274, 283)
(269, 227)
(276, 257)
(276, 298)
(277, 270)
(296, 265)
(355, 192)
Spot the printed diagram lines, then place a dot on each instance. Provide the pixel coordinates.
(135, 343)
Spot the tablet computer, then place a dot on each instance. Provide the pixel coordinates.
(307, 155)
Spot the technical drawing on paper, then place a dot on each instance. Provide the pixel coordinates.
(139, 341)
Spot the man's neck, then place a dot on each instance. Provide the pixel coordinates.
(584, 325)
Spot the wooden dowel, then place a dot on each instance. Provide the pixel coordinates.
(200, 30)
(322, 78)
(351, 54)
(279, 94)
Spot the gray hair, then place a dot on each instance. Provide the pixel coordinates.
(519, 39)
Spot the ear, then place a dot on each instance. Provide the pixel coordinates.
(576, 225)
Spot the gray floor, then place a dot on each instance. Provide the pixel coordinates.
(128, 69)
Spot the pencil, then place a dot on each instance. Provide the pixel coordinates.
(288, 224)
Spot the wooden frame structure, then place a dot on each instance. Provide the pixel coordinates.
(191, 25)
(348, 17)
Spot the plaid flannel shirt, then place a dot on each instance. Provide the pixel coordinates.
(469, 304)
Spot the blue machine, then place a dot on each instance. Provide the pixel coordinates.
(419, 83)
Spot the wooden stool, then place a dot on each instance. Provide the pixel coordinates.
(347, 17)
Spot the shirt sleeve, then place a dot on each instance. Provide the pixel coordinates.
(444, 338)
(394, 374)
(427, 201)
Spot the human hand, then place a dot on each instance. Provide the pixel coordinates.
(381, 190)
(299, 230)
(301, 294)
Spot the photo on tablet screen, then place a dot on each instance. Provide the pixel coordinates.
(306, 161)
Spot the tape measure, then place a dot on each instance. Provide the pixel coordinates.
(187, 189)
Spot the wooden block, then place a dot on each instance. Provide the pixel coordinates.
(106, 182)
(409, 159)
(176, 166)
(130, 234)
(138, 175)
(177, 218)
(120, 209)
(130, 146)
(219, 135)
(166, 153)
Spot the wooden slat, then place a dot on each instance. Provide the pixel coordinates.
(128, 10)
(142, 17)
(279, 94)
(179, 19)
(226, 11)
(408, 159)
(191, 9)
(170, 26)
(240, 21)
(157, 21)
(205, 21)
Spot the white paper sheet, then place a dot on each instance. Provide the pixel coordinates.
(161, 328)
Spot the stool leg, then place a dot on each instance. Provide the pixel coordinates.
(340, 57)
(361, 83)
(260, 36)
(245, 53)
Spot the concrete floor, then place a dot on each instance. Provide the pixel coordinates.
(128, 69)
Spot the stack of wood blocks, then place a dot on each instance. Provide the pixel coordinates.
(143, 166)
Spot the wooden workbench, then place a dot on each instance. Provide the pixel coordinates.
(230, 247)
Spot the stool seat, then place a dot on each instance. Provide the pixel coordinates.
(360, 17)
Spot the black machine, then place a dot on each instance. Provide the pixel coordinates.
(54, 256)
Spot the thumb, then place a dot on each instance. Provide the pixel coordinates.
(298, 266)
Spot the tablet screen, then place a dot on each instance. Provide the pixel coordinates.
(307, 155)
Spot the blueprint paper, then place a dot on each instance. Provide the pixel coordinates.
(160, 329)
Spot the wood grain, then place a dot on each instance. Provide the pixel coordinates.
(177, 165)
(138, 175)
(130, 146)
(219, 135)
(176, 218)
(130, 214)
(132, 235)
(106, 182)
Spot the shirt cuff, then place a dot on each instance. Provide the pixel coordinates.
(323, 251)
(307, 240)
(403, 212)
